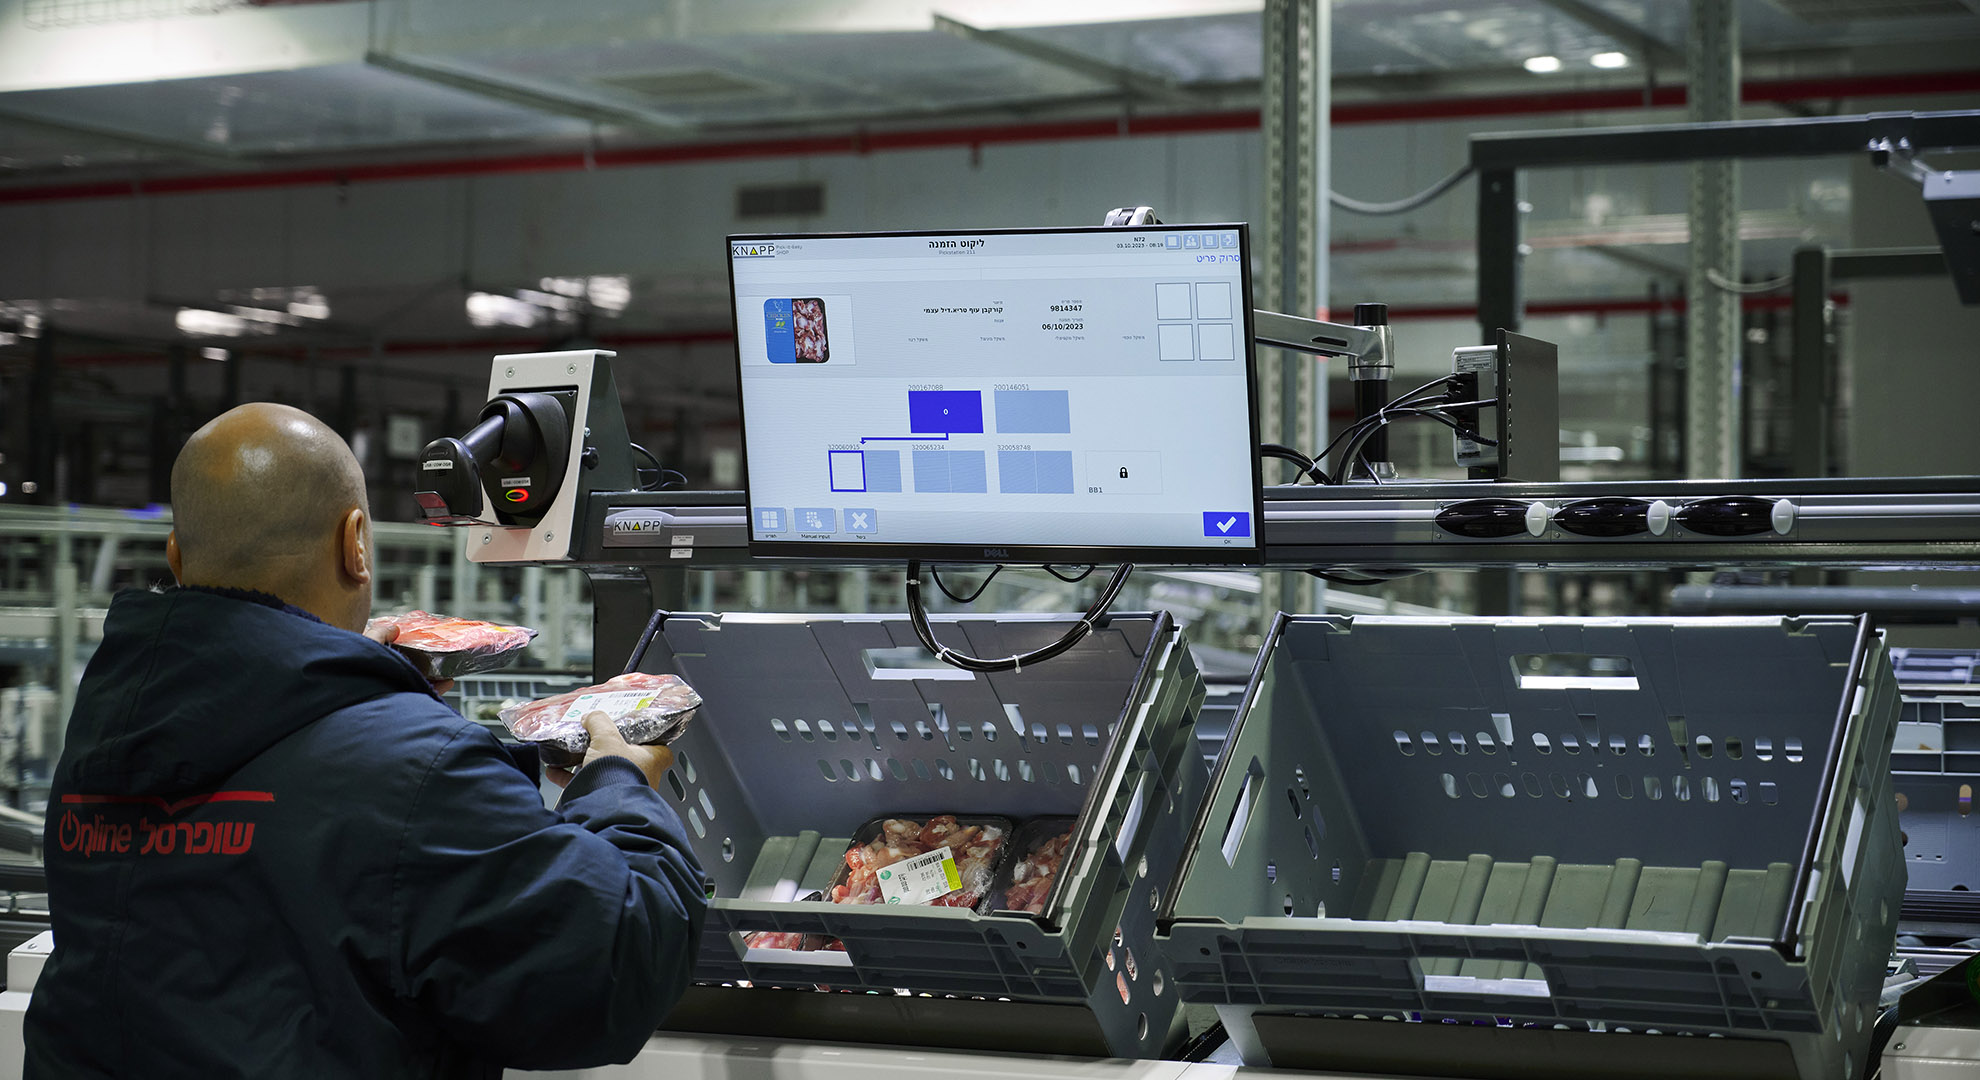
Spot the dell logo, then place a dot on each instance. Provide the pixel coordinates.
(996, 553)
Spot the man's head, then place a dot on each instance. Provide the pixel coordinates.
(266, 497)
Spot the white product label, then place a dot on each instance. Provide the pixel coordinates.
(515, 481)
(681, 553)
(925, 877)
(613, 703)
(437, 465)
(682, 540)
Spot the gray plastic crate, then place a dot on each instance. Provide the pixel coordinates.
(1935, 766)
(1557, 837)
(812, 725)
(1950, 668)
(480, 697)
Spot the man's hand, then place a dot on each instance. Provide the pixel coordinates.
(386, 634)
(607, 742)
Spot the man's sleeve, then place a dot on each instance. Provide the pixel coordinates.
(543, 939)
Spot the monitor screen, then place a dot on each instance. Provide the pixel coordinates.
(1039, 395)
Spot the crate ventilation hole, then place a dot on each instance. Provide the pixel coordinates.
(1702, 746)
(1022, 769)
(1583, 786)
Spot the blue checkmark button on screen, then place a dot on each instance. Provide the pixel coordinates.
(1231, 523)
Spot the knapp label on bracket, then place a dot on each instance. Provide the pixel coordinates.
(636, 528)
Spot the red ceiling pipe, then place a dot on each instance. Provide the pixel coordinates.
(1944, 82)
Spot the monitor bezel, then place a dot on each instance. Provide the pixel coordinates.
(1034, 554)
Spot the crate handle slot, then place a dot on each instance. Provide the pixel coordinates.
(1573, 671)
(1254, 782)
(1467, 984)
(1131, 821)
(910, 662)
(796, 958)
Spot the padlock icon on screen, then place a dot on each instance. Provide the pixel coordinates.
(1124, 472)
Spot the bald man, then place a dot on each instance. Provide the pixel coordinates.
(273, 852)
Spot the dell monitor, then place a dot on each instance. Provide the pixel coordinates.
(1000, 396)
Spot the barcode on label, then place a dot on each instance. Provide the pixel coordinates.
(925, 877)
(613, 703)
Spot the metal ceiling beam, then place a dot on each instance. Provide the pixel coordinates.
(1631, 37)
(203, 153)
(1067, 60)
(556, 101)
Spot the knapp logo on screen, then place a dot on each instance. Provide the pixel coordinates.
(752, 251)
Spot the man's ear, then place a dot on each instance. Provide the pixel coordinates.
(172, 557)
(355, 545)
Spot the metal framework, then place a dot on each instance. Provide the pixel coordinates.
(1815, 269)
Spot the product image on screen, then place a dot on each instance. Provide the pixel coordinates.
(1007, 396)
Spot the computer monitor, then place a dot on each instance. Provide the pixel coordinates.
(1026, 395)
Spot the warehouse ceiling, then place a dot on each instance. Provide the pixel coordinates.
(174, 84)
(120, 94)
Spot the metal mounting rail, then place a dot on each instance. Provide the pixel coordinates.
(1889, 522)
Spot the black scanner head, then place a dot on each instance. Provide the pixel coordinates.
(516, 455)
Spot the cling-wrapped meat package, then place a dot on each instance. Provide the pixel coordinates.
(444, 647)
(895, 861)
(646, 708)
(941, 861)
(1038, 851)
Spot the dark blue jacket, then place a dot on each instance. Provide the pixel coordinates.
(272, 852)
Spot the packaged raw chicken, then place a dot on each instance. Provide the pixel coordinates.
(896, 861)
(647, 709)
(1038, 849)
(443, 647)
(774, 939)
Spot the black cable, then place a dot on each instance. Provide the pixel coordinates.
(1075, 579)
(1352, 455)
(673, 472)
(1362, 430)
(1400, 206)
(1320, 459)
(1367, 577)
(1307, 465)
(657, 467)
(918, 615)
(971, 598)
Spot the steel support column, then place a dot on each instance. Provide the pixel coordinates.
(42, 423)
(1501, 304)
(230, 381)
(1810, 364)
(1292, 403)
(1712, 344)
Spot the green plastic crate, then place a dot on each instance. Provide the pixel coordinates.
(1541, 842)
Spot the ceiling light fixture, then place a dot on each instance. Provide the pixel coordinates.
(1609, 60)
(1543, 65)
(494, 309)
(199, 322)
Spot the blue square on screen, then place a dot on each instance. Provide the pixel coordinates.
(1226, 523)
